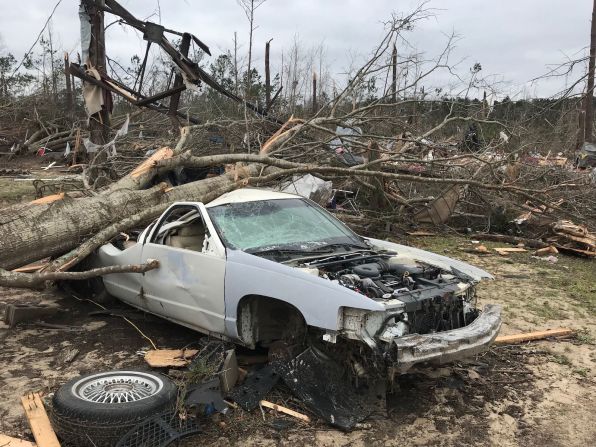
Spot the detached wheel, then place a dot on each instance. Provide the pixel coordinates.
(98, 409)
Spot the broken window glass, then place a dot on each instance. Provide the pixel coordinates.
(284, 223)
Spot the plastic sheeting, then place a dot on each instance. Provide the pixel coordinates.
(85, 32)
(311, 187)
(111, 145)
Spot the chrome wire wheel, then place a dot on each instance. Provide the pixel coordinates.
(118, 387)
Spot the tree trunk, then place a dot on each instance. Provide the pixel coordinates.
(38, 231)
(394, 74)
(589, 118)
(267, 77)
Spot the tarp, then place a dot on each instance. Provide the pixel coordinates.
(311, 187)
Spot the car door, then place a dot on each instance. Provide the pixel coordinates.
(188, 286)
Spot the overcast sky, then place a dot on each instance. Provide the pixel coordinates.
(514, 40)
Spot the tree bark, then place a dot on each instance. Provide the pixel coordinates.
(267, 77)
(38, 231)
(589, 118)
(32, 280)
(394, 74)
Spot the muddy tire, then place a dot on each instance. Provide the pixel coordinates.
(98, 409)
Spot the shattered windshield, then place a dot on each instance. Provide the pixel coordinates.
(286, 223)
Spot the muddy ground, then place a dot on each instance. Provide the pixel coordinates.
(543, 393)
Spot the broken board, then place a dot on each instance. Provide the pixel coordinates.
(169, 358)
(281, 409)
(504, 251)
(529, 336)
(38, 421)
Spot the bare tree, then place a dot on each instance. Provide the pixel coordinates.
(249, 7)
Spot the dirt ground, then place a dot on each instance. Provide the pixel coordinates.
(543, 393)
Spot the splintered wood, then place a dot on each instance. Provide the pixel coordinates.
(38, 421)
(529, 336)
(162, 154)
(573, 238)
(48, 199)
(169, 358)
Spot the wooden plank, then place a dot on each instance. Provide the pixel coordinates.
(8, 441)
(504, 251)
(529, 336)
(164, 358)
(302, 417)
(161, 154)
(420, 233)
(38, 421)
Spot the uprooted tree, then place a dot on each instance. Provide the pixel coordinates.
(398, 150)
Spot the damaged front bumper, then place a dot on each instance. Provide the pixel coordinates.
(447, 346)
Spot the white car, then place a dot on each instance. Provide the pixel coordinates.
(256, 266)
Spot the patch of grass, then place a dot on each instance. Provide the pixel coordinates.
(583, 372)
(584, 337)
(561, 359)
(199, 370)
(14, 192)
(545, 311)
(575, 276)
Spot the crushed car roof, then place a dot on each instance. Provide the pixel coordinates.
(249, 195)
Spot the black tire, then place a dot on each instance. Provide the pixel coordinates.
(99, 293)
(80, 421)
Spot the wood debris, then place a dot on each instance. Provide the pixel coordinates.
(302, 417)
(38, 421)
(172, 358)
(504, 251)
(48, 199)
(530, 336)
(571, 238)
(550, 250)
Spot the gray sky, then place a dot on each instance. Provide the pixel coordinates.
(514, 40)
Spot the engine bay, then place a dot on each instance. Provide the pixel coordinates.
(425, 298)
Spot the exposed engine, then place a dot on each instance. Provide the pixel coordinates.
(428, 299)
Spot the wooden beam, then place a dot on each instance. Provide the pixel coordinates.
(302, 417)
(38, 421)
(529, 336)
(161, 95)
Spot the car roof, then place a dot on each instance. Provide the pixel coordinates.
(249, 195)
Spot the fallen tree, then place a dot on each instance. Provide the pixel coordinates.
(399, 169)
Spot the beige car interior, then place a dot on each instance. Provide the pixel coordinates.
(190, 236)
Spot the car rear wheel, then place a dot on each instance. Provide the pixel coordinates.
(98, 409)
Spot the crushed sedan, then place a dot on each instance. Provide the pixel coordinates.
(256, 266)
